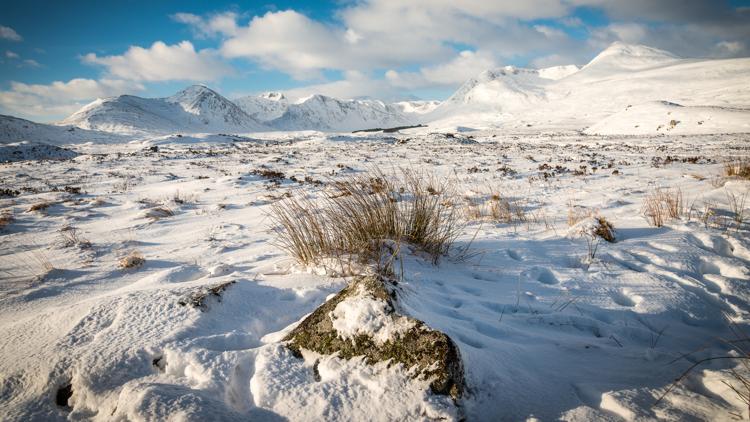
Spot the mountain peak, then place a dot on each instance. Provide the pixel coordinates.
(620, 55)
(273, 96)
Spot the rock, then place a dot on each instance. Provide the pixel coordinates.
(199, 299)
(431, 353)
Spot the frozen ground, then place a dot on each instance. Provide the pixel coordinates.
(544, 332)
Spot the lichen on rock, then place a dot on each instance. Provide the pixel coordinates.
(379, 333)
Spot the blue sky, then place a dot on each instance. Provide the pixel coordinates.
(57, 56)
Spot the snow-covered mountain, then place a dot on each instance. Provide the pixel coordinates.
(14, 129)
(712, 95)
(619, 77)
(194, 109)
(417, 106)
(199, 109)
(619, 57)
(320, 112)
(264, 107)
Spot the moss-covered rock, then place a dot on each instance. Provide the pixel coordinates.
(431, 353)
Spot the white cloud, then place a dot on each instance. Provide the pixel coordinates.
(389, 34)
(8, 33)
(162, 62)
(730, 46)
(217, 24)
(11, 55)
(31, 63)
(464, 66)
(59, 99)
(302, 47)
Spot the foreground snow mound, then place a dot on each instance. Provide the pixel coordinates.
(361, 321)
(663, 117)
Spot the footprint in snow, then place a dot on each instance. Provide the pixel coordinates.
(542, 275)
(622, 298)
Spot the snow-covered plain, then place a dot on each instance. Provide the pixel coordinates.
(550, 324)
(542, 333)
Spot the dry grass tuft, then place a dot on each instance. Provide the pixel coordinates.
(604, 229)
(738, 168)
(133, 260)
(39, 206)
(737, 206)
(69, 236)
(183, 198)
(661, 205)
(367, 212)
(6, 217)
(494, 207)
(159, 212)
(577, 213)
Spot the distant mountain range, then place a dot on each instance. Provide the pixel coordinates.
(711, 95)
(200, 109)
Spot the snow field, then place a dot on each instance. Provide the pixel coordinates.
(542, 332)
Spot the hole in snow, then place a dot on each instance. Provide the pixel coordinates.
(63, 394)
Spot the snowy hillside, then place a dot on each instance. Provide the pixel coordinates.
(264, 107)
(417, 107)
(13, 129)
(620, 76)
(670, 118)
(195, 109)
(320, 112)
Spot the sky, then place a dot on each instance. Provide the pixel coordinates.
(55, 56)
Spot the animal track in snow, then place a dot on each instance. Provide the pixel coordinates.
(542, 275)
(514, 255)
(624, 298)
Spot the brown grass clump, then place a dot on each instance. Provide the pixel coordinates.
(738, 168)
(157, 213)
(6, 217)
(495, 207)
(576, 214)
(601, 227)
(604, 229)
(367, 212)
(661, 205)
(39, 206)
(133, 260)
(70, 236)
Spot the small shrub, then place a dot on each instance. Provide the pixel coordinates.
(69, 237)
(605, 229)
(738, 168)
(9, 192)
(595, 227)
(737, 206)
(133, 260)
(661, 205)
(272, 175)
